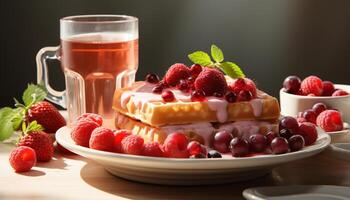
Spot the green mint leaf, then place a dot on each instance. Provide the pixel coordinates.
(33, 126)
(33, 94)
(201, 58)
(216, 53)
(18, 118)
(6, 124)
(232, 70)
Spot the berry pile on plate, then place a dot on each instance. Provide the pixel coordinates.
(328, 119)
(311, 86)
(292, 136)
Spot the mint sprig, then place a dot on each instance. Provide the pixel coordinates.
(229, 68)
(11, 119)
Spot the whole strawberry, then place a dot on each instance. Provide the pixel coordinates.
(47, 115)
(38, 140)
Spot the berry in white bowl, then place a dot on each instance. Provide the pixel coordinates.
(309, 92)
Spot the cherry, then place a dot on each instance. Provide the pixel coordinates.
(319, 107)
(289, 123)
(239, 147)
(230, 97)
(296, 142)
(183, 86)
(258, 142)
(328, 88)
(270, 136)
(158, 89)
(279, 145)
(198, 95)
(152, 78)
(221, 141)
(285, 133)
(168, 96)
(310, 116)
(244, 95)
(195, 70)
(214, 154)
(309, 132)
(292, 84)
(194, 148)
(218, 94)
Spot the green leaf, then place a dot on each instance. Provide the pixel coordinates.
(201, 58)
(18, 118)
(216, 53)
(232, 70)
(33, 94)
(33, 126)
(6, 124)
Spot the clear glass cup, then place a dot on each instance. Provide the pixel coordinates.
(98, 54)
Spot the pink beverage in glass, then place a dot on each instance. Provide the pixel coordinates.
(95, 63)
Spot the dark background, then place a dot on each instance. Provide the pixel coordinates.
(269, 39)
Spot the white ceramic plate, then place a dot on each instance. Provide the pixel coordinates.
(173, 171)
(298, 192)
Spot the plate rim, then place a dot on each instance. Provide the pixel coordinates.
(69, 145)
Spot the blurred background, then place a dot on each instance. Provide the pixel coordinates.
(269, 39)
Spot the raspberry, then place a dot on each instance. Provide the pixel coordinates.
(102, 139)
(312, 85)
(82, 130)
(152, 149)
(210, 81)
(41, 142)
(309, 132)
(91, 116)
(132, 144)
(340, 92)
(328, 88)
(175, 73)
(243, 84)
(119, 136)
(22, 159)
(330, 120)
(175, 146)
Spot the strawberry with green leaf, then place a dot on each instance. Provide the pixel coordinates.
(33, 108)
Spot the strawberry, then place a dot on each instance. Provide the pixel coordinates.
(38, 140)
(47, 115)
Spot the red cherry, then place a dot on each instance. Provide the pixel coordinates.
(292, 84)
(258, 142)
(168, 96)
(310, 116)
(195, 70)
(328, 88)
(198, 95)
(152, 78)
(194, 148)
(270, 136)
(309, 132)
(231, 97)
(221, 141)
(183, 86)
(239, 147)
(279, 145)
(244, 95)
(340, 92)
(319, 107)
(296, 142)
(289, 123)
(158, 89)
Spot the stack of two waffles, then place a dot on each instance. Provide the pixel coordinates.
(147, 114)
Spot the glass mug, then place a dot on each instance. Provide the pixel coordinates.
(98, 54)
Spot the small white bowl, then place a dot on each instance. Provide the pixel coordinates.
(292, 104)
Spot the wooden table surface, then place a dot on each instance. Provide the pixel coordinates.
(74, 177)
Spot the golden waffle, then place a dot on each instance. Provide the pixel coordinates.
(201, 132)
(155, 112)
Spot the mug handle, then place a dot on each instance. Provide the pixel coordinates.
(49, 53)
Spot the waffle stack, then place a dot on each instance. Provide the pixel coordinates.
(147, 115)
